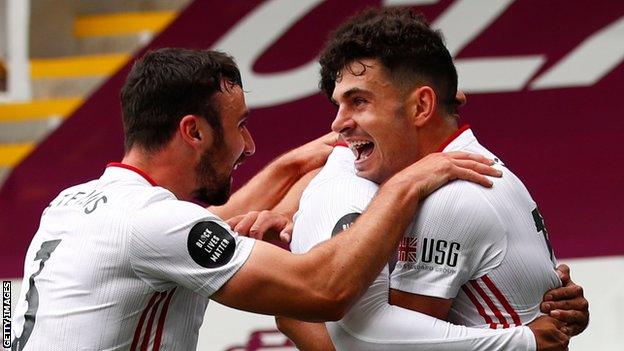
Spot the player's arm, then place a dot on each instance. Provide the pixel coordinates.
(397, 329)
(382, 326)
(434, 306)
(268, 187)
(321, 284)
(567, 303)
(306, 336)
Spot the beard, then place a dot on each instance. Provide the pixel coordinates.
(216, 186)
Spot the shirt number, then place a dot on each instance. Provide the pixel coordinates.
(539, 225)
(32, 296)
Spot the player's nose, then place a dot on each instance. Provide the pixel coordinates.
(342, 122)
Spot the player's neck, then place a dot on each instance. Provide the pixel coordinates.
(165, 168)
(435, 133)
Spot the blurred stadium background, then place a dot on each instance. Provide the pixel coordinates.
(544, 81)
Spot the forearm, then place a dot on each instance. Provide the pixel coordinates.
(322, 284)
(397, 329)
(307, 336)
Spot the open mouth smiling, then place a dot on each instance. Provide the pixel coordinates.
(361, 148)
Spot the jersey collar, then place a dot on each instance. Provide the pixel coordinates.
(135, 170)
(454, 137)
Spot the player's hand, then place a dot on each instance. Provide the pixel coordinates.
(263, 225)
(567, 303)
(435, 170)
(313, 155)
(548, 334)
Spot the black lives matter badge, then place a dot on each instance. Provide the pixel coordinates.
(210, 245)
(345, 222)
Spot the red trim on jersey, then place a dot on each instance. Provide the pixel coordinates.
(340, 143)
(137, 331)
(453, 137)
(490, 284)
(490, 303)
(161, 321)
(134, 169)
(150, 322)
(479, 307)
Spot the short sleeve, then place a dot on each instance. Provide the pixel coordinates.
(329, 207)
(456, 236)
(179, 243)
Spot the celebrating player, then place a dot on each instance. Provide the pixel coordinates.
(126, 261)
(473, 256)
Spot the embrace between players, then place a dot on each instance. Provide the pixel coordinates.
(473, 270)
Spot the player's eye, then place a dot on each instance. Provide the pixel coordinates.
(359, 101)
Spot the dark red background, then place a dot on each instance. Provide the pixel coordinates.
(564, 143)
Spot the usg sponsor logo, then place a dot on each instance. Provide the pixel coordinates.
(440, 252)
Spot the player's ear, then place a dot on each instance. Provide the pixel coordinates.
(195, 131)
(421, 105)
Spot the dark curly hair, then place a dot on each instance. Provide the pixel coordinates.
(411, 52)
(167, 84)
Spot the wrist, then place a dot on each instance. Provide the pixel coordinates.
(402, 195)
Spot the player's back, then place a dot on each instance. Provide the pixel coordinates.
(485, 248)
(80, 290)
(511, 292)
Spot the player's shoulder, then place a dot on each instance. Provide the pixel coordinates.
(463, 193)
(458, 198)
(169, 214)
(77, 188)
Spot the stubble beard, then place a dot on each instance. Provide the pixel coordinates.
(215, 189)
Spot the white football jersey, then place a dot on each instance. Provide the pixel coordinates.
(330, 204)
(486, 248)
(119, 263)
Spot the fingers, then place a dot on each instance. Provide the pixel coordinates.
(262, 225)
(232, 222)
(473, 167)
(286, 233)
(437, 169)
(564, 293)
(578, 304)
(462, 155)
(470, 175)
(563, 271)
(576, 321)
(267, 221)
(243, 227)
(568, 305)
(479, 168)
